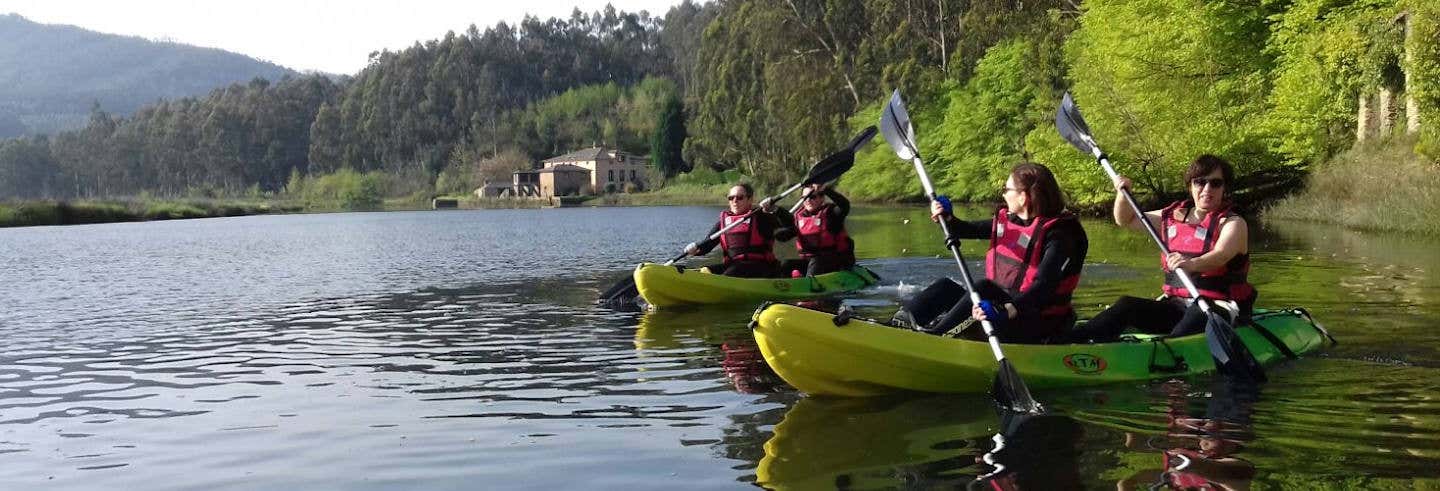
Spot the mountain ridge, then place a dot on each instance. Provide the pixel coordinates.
(52, 74)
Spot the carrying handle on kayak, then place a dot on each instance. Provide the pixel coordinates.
(1179, 364)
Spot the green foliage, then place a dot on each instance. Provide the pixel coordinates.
(669, 138)
(173, 210)
(1327, 54)
(1162, 81)
(1424, 67)
(705, 176)
(878, 174)
(345, 189)
(32, 213)
(983, 133)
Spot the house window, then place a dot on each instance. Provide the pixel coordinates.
(612, 175)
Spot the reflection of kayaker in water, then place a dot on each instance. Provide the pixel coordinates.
(1037, 250)
(1206, 239)
(819, 233)
(1200, 452)
(749, 248)
(746, 368)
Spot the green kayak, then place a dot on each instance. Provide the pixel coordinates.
(866, 358)
(664, 286)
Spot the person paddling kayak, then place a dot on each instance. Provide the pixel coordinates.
(1206, 239)
(748, 248)
(819, 233)
(1037, 250)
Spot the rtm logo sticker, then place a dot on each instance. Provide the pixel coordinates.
(1085, 364)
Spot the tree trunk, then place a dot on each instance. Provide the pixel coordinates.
(1386, 112)
(1412, 108)
(1362, 119)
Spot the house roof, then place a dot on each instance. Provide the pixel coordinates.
(584, 155)
(563, 168)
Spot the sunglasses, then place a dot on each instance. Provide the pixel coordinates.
(1007, 189)
(1214, 182)
(737, 197)
(810, 196)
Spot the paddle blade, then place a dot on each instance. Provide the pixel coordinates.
(1232, 358)
(895, 125)
(1072, 126)
(623, 292)
(1010, 390)
(833, 166)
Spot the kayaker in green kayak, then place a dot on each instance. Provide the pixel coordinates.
(819, 233)
(748, 248)
(1037, 250)
(1206, 238)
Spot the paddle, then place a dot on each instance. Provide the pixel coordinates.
(1231, 356)
(1009, 389)
(827, 169)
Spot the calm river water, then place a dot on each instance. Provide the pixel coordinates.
(460, 350)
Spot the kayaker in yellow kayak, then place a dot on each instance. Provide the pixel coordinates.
(749, 248)
(819, 233)
(1037, 250)
(1206, 239)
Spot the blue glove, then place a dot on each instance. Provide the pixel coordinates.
(944, 203)
(995, 315)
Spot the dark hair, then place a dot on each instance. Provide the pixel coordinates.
(1040, 188)
(1205, 164)
(749, 191)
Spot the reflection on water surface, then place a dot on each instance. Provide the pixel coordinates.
(460, 350)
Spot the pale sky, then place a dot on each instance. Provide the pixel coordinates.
(326, 35)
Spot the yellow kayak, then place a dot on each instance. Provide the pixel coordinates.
(865, 358)
(664, 286)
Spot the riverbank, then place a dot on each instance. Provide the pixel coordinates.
(33, 213)
(1384, 187)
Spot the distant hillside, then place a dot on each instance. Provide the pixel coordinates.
(51, 74)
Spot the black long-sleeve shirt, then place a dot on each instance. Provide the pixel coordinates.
(1063, 254)
(835, 224)
(768, 223)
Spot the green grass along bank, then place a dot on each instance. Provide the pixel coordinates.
(1380, 187)
(33, 213)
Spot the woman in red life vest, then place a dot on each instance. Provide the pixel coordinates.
(1206, 239)
(819, 233)
(749, 248)
(1037, 250)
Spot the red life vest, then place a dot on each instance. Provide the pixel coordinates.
(1228, 282)
(814, 237)
(1013, 261)
(744, 242)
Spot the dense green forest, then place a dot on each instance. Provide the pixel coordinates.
(767, 87)
(50, 75)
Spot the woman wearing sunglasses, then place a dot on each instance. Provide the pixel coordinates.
(819, 233)
(749, 248)
(1037, 250)
(1206, 239)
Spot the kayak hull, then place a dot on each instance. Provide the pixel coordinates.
(864, 358)
(665, 286)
